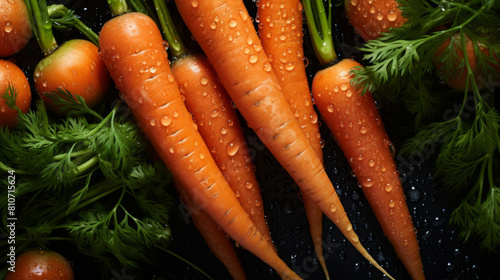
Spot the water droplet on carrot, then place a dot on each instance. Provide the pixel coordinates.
(368, 183)
(232, 148)
(152, 122)
(372, 10)
(213, 25)
(194, 3)
(348, 93)
(348, 227)
(392, 16)
(233, 23)
(44, 84)
(223, 131)
(253, 59)
(330, 108)
(392, 203)
(166, 120)
(175, 114)
(203, 81)
(333, 208)
(244, 15)
(344, 87)
(336, 89)
(248, 185)
(363, 130)
(171, 149)
(282, 37)
(380, 16)
(354, 2)
(371, 163)
(3, 109)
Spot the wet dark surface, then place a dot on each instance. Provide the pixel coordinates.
(443, 254)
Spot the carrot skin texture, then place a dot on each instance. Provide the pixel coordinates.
(280, 31)
(215, 238)
(141, 72)
(218, 123)
(356, 124)
(226, 34)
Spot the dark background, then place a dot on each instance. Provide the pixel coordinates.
(443, 254)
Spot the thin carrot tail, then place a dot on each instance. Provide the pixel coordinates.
(315, 218)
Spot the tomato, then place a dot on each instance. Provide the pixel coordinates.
(41, 264)
(15, 27)
(369, 18)
(75, 66)
(10, 73)
(458, 79)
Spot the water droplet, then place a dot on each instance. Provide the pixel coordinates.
(249, 40)
(354, 2)
(244, 15)
(253, 59)
(282, 37)
(194, 3)
(372, 10)
(333, 208)
(61, 273)
(363, 130)
(166, 121)
(368, 183)
(232, 148)
(371, 163)
(3, 109)
(213, 25)
(152, 122)
(388, 187)
(348, 93)
(392, 16)
(223, 131)
(248, 185)
(414, 194)
(289, 67)
(344, 87)
(392, 203)
(348, 227)
(171, 149)
(380, 16)
(233, 23)
(203, 81)
(330, 108)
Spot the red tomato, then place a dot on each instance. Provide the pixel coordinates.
(372, 17)
(11, 73)
(41, 264)
(458, 81)
(15, 27)
(75, 66)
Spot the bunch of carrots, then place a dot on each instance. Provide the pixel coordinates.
(185, 104)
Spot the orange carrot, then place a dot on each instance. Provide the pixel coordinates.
(133, 50)
(280, 30)
(226, 34)
(215, 238)
(355, 122)
(218, 123)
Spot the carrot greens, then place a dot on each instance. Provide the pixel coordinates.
(459, 128)
(86, 179)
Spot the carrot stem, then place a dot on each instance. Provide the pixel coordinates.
(176, 47)
(319, 25)
(42, 27)
(118, 7)
(63, 17)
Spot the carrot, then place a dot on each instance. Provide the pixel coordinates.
(280, 30)
(13, 80)
(218, 123)
(141, 72)
(226, 34)
(356, 124)
(74, 66)
(215, 238)
(16, 27)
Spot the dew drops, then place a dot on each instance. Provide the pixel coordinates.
(380, 16)
(152, 122)
(44, 84)
(289, 67)
(232, 148)
(392, 16)
(333, 208)
(348, 227)
(244, 15)
(204, 81)
(233, 23)
(166, 121)
(249, 40)
(330, 108)
(253, 59)
(171, 149)
(267, 67)
(213, 25)
(388, 187)
(354, 2)
(348, 93)
(371, 163)
(392, 203)
(363, 130)
(344, 87)
(223, 131)
(3, 109)
(248, 185)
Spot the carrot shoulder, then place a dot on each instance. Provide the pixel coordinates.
(215, 238)
(133, 50)
(226, 33)
(280, 31)
(356, 124)
(218, 124)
